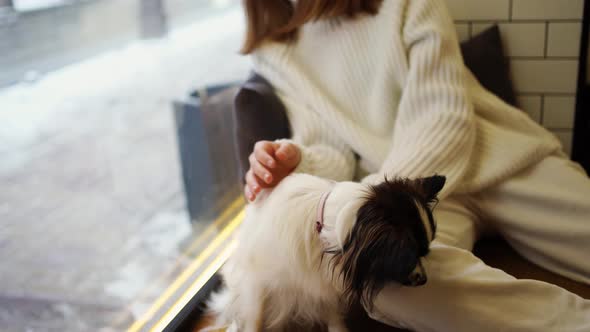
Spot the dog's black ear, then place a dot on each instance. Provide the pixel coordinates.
(385, 242)
(432, 186)
(376, 253)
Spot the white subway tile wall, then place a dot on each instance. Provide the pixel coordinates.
(547, 9)
(467, 10)
(565, 136)
(531, 105)
(544, 75)
(463, 31)
(542, 40)
(554, 117)
(519, 39)
(564, 39)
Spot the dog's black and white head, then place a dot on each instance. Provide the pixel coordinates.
(382, 236)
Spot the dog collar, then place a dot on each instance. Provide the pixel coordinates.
(319, 224)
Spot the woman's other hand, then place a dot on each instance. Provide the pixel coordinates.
(269, 164)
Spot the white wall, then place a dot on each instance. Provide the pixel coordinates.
(542, 40)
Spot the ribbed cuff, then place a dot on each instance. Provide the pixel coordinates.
(373, 179)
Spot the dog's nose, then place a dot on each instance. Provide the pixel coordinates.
(417, 279)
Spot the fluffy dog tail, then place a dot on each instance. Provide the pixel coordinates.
(219, 301)
(222, 307)
(219, 306)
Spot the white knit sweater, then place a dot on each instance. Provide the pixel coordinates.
(393, 89)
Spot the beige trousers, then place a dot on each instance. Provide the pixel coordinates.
(544, 213)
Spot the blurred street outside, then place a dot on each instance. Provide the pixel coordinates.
(92, 208)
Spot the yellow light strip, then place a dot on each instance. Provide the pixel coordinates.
(195, 287)
(194, 244)
(214, 225)
(138, 324)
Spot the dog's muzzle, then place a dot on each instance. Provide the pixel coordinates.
(417, 277)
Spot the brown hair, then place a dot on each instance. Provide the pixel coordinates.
(279, 20)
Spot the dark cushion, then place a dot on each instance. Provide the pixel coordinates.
(484, 56)
(259, 115)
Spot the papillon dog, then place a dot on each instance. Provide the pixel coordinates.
(310, 248)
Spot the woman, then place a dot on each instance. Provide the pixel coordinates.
(385, 80)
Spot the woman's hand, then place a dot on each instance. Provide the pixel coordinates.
(269, 164)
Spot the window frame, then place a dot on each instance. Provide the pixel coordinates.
(581, 136)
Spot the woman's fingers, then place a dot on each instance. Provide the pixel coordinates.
(266, 171)
(248, 193)
(253, 182)
(264, 152)
(259, 170)
(288, 154)
(252, 187)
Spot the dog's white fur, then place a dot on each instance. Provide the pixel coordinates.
(277, 274)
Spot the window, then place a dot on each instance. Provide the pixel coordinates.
(5, 3)
(95, 231)
(26, 5)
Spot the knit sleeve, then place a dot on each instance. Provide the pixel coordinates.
(435, 128)
(322, 153)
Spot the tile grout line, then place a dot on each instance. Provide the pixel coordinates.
(546, 51)
(561, 130)
(542, 112)
(548, 94)
(541, 57)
